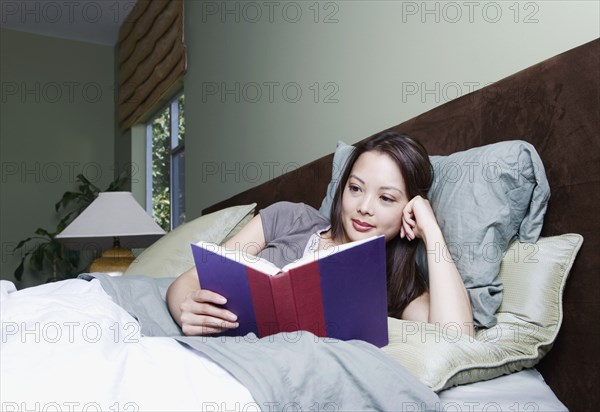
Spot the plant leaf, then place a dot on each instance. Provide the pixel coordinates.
(87, 185)
(19, 270)
(66, 199)
(21, 244)
(37, 258)
(118, 184)
(43, 232)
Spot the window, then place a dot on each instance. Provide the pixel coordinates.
(165, 175)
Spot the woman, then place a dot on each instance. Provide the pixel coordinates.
(382, 192)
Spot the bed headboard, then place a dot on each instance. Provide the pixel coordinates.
(554, 105)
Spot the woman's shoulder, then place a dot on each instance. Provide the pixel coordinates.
(294, 209)
(294, 213)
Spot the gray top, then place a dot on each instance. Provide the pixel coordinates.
(288, 227)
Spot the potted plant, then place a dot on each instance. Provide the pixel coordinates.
(48, 255)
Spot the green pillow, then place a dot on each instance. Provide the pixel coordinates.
(171, 255)
(529, 318)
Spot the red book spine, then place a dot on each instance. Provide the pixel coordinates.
(262, 302)
(306, 283)
(283, 299)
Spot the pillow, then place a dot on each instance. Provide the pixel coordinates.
(171, 255)
(534, 277)
(340, 157)
(483, 198)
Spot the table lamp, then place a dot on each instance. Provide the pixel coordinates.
(113, 222)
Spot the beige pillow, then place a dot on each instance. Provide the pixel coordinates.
(534, 277)
(171, 255)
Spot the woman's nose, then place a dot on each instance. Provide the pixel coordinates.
(365, 206)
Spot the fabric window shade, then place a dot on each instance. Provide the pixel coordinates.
(152, 57)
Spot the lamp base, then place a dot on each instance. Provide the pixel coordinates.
(115, 259)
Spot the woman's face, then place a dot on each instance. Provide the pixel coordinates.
(373, 198)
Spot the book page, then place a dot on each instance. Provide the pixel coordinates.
(320, 254)
(255, 262)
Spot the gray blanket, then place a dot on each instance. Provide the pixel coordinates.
(287, 371)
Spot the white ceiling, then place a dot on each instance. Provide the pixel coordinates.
(83, 20)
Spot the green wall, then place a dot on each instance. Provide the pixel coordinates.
(373, 63)
(56, 120)
(269, 86)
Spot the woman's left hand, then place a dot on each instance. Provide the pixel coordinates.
(448, 300)
(417, 218)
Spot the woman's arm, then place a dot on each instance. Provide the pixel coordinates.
(198, 311)
(447, 301)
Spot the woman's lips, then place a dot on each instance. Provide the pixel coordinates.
(361, 226)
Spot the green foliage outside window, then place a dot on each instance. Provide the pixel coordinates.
(161, 163)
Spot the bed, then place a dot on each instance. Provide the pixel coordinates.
(107, 343)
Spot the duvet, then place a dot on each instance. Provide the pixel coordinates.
(103, 343)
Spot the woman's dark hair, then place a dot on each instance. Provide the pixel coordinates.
(404, 281)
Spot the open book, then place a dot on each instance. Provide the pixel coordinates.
(339, 293)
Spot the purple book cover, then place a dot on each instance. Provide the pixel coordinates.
(353, 285)
(342, 296)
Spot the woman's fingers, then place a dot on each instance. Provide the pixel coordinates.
(208, 296)
(417, 216)
(204, 329)
(207, 299)
(408, 231)
(195, 319)
(202, 314)
(408, 221)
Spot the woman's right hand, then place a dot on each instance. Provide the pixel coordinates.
(202, 314)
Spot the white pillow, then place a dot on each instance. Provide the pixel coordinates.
(171, 255)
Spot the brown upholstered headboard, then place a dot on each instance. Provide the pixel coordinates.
(554, 105)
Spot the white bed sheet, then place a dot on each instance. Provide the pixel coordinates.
(524, 391)
(67, 346)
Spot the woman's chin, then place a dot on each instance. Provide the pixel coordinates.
(355, 235)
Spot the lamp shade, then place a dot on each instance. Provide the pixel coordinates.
(110, 215)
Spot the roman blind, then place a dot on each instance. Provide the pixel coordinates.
(151, 55)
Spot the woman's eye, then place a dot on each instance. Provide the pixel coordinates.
(387, 199)
(353, 188)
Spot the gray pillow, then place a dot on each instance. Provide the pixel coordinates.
(483, 198)
(340, 157)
